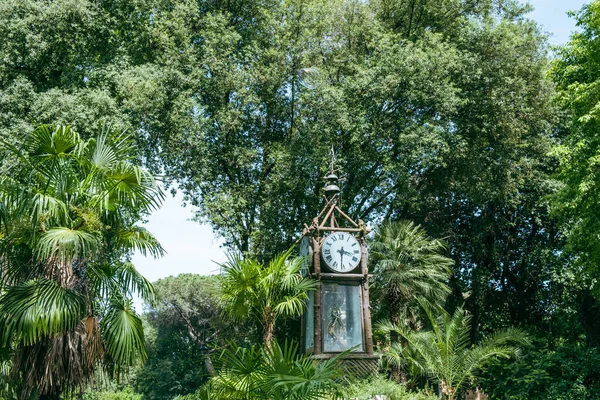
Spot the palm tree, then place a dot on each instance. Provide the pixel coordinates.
(409, 268)
(278, 373)
(445, 355)
(67, 214)
(265, 292)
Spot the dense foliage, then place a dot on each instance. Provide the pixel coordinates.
(277, 373)
(445, 355)
(185, 317)
(69, 214)
(437, 115)
(187, 329)
(439, 112)
(379, 385)
(567, 372)
(576, 73)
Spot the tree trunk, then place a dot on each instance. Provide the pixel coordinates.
(209, 366)
(397, 374)
(269, 327)
(395, 319)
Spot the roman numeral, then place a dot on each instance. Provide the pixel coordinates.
(329, 258)
(327, 251)
(354, 259)
(354, 244)
(356, 251)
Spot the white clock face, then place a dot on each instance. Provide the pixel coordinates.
(341, 251)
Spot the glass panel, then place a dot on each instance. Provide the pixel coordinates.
(309, 323)
(342, 317)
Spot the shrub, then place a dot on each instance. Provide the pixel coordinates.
(124, 394)
(366, 389)
(568, 372)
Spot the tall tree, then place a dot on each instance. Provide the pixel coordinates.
(576, 73)
(68, 221)
(439, 112)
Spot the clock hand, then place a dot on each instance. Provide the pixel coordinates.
(341, 251)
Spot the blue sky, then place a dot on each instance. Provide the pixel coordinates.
(552, 16)
(192, 247)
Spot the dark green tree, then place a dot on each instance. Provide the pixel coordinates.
(439, 112)
(408, 267)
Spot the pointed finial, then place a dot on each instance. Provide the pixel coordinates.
(331, 187)
(332, 165)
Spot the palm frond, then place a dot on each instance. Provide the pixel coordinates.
(49, 141)
(123, 334)
(140, 239)
(38, 308)
(127, 185)
(109, 148)
(289, 375)
(444, 354)
(128, 277)
(44, 203)
(240, 283)
(64, 245)
(408, 266)
(242, 374)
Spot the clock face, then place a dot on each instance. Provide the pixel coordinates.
(306, 253)
(341, 251)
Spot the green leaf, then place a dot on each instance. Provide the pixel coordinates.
(123, 333)
(37, 309)
(64, 245)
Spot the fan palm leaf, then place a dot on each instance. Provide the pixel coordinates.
(295, 377)
(123, 334)
(37, 309)
(132, 282)
(64, 245)
(126, 185)
(140, 239)
(276, 373)
(408, 266)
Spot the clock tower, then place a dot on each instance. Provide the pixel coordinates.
(338, 316)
